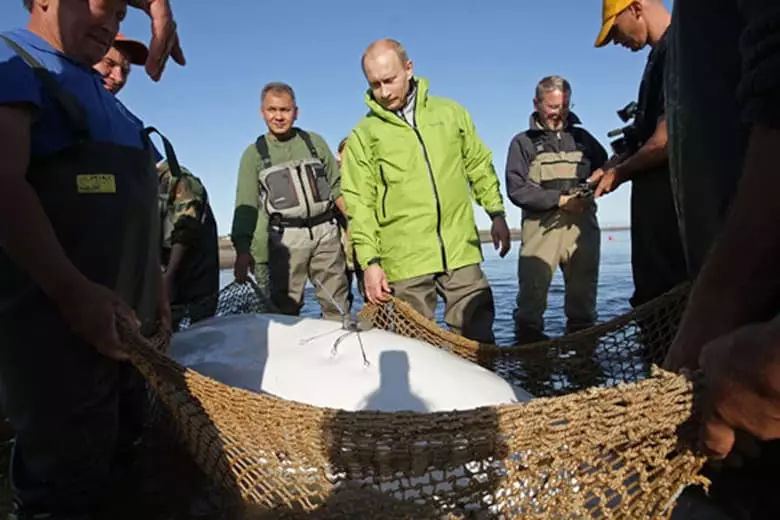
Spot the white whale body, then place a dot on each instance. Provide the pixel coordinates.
(317, 362)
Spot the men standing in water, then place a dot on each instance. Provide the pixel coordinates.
(723, 154)
(411, 168)
(656, 250)
(290, 223)
(79, 239)
(546, 166)
(190, 245)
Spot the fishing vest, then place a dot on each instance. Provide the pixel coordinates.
(552, 169)
(294, 193)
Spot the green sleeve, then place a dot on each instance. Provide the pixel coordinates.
(478, 161)
(330, 164)
(358, 185)
(247, 201)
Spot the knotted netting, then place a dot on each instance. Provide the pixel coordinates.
(608, 435)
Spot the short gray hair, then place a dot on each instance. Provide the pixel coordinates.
(552, 84)
(277, 87)
(28, 4)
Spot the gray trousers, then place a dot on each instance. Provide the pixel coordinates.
(468, 300)
(296, 256)
(558, 239)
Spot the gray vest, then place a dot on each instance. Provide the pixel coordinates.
(297, 193)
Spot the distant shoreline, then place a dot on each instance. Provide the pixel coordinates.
(227, 254)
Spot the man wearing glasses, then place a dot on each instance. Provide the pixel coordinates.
(546, 169)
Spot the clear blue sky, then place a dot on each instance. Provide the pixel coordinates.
(486, 55)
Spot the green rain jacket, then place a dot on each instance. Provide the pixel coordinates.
(409, 191)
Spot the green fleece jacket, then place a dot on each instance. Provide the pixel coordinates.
(250, 225)
(409, 190)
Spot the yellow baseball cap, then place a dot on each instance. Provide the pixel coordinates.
(609, 11)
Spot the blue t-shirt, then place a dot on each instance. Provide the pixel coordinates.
(108, 119)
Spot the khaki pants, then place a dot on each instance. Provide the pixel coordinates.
(558, 239)
(295, 256)
(468, 300)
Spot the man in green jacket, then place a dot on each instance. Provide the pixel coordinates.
(411, 169)
(285, 222)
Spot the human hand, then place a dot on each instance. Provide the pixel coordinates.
(375, 284)
(244, 263)
(741, 388)
(608, 180)
(165, 39)
(90, 310)
(572, 204)
(499, 231)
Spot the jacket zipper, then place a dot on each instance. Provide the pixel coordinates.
(435, 195)
(384, 195)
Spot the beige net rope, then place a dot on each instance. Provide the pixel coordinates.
(617, 451)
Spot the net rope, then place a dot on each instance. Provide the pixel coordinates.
(609, 435)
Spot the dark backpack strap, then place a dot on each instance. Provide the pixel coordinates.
(262, 149)
(66, 101)
(170, 154)
(309, 144)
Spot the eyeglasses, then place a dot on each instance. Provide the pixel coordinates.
(557, 108)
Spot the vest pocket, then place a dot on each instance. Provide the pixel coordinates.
(318, 182)
(280, 187)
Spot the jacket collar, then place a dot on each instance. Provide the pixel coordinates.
(420, 87)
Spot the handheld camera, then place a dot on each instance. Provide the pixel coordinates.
(628, 140)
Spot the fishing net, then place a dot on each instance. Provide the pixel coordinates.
(608, 437)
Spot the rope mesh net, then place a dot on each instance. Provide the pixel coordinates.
(608, 435)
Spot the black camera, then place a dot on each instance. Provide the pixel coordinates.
(629, 142)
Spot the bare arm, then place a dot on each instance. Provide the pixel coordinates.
(652, 154)
(341, 205)
(26, 234)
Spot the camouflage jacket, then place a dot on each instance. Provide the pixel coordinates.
(183, 206)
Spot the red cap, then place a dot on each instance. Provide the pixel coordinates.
(136, 51)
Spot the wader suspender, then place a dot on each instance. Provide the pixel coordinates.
(66, 101)
(262, 148)
(176, 173)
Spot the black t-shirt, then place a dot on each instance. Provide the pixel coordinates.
(651, 92)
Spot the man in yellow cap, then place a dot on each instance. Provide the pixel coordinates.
(657, 258)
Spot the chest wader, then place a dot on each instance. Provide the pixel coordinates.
(304, 241)
(61, 396)
(553, 239)
(196, 285)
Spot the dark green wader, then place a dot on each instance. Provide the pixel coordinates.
(63, 398)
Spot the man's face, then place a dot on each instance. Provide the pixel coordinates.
(388, 78)
(279, 112)
(630, 29)
(86, 27)
(553, 109)
(115, 68)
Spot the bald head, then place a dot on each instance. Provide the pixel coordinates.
(384, 46)
(388, 70)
